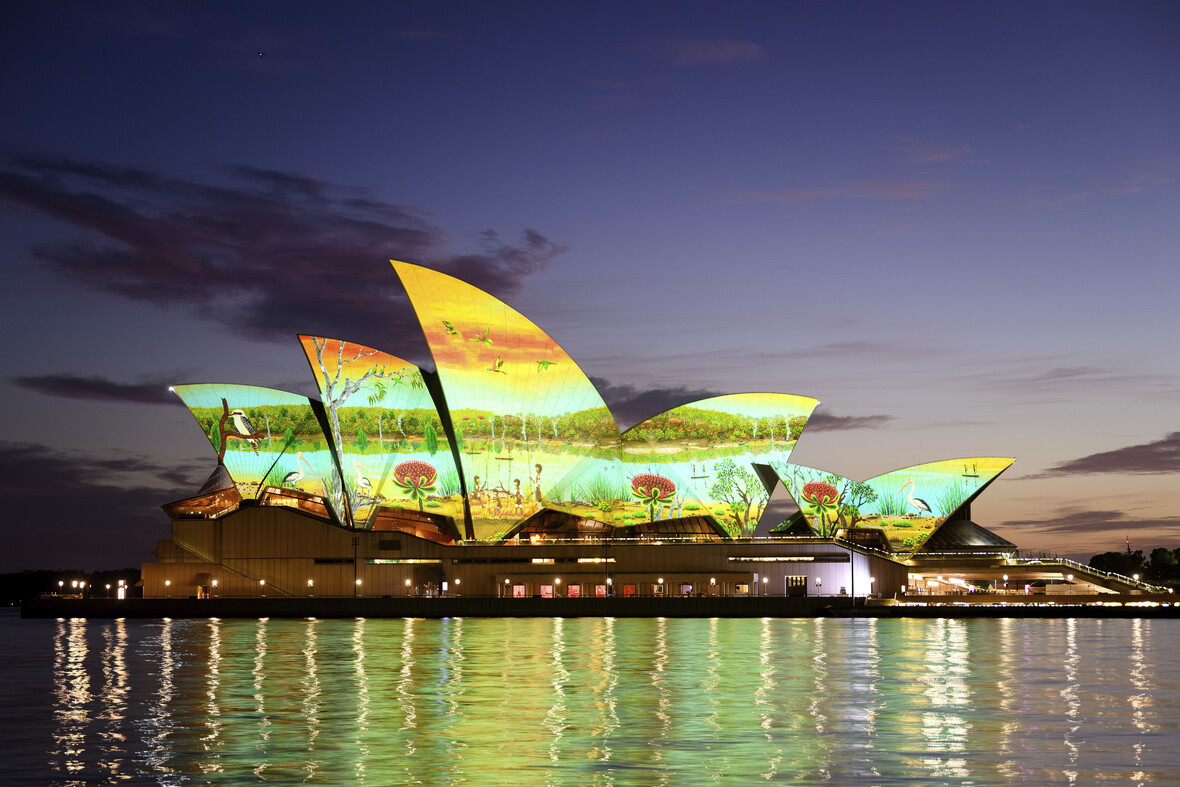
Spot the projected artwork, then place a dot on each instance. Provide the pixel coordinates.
(534, 433)
(509, 426)
(908, 504)
(265, 437)
(392, 447)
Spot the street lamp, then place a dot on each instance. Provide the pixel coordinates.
(108, 590)
(167, 585)
(765, 583)
(407, 587)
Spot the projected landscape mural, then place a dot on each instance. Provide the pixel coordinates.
(390, 440)
(534, 433)
(266, 437)
(907, 504)
(508, 426)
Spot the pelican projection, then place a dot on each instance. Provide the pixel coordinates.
(295, 476)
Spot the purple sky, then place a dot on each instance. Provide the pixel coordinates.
(953, 223)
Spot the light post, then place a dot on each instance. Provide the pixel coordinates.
(214, 586)
(610, 586)
(357, 592)
(457, 582)
(108, 590)
(765, 584)
(310, 585)
(1005, 583)
(407, 587)
(712, 586)
(507, 592)
(60, 584)
(167, 588)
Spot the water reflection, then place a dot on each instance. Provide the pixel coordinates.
(610, 702)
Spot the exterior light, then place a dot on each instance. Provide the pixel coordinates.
(108, 586)
(74, 583)
(767, 579)
(214, 582)
(506, 581)
(262, 582)
(872, 580)
(82, 584)
(557, 581)
(660, 580)
(712, 580)
(310, 583)
(457, 581)
(610, 581)
(407, 583)
(1135, 577)
(358, 581)
(1005, 577)
(60, 583)
(167, 583)
(1069, 577)
(121, 582)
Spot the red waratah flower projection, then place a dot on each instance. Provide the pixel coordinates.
(819, 492)
(822, 497)
(651, 488)
(416, 480)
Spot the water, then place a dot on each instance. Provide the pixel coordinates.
(591, 701)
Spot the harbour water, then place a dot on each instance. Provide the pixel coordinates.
(589, 701)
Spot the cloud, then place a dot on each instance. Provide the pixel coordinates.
(68, 386)
(74, 509)
(704, 51)
(629, 405)
(1033, 379)
(825, 422)
(1077, 522)
(1161, 456)
(269, 255)
(855, 189)
(934, 153)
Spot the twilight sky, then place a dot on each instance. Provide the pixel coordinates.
(955, 224)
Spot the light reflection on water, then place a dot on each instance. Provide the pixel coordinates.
(592, 701)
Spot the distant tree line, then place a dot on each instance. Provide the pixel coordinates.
(1162, 567)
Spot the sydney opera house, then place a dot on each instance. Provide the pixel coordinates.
(502, 473)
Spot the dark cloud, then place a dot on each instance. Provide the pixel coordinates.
(1162, 456)
(629, 405)
(72, 509)
(1085, 522)
(68, 386)
(825, 422)
(270, 255)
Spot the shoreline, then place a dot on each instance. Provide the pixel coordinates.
(644, 607)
